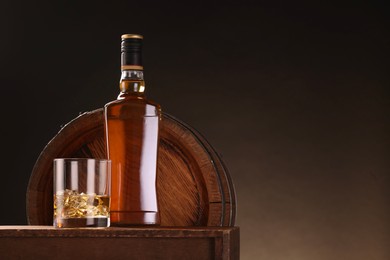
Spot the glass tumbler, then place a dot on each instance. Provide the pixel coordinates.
(81, 192)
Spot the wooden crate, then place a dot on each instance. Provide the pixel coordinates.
(46, 242)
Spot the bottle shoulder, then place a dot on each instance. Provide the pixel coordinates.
(139, 105)
(133, 100)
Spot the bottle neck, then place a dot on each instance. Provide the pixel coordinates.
(132, 83)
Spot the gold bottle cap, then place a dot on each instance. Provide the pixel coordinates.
(132, 36)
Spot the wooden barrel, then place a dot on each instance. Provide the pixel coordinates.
(193, 185)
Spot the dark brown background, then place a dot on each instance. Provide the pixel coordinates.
(294, 97)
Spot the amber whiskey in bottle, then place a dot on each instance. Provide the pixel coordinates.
(132, 133)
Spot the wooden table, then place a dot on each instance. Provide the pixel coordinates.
(46, 242)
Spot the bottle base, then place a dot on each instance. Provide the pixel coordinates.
(131, 218)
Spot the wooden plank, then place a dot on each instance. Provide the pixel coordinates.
(46, 242)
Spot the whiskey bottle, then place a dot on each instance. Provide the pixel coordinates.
(132, 132)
